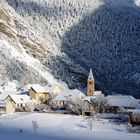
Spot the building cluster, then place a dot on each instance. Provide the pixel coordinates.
(13, 99)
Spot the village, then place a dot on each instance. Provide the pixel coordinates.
(55, 99)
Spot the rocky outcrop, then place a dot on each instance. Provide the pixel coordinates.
(21, 50)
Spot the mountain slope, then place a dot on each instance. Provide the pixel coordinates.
(77, 35)
(21, 54)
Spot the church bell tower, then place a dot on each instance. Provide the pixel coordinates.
(90, 84)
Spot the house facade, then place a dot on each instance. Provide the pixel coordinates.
(117, 102)
(88, 108)
(40, 94)
(67, 96)
(60, 101)
(16, 103)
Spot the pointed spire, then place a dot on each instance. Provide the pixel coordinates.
(91, 75)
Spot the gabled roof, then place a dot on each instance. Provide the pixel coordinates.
(96, 95)
(38, 88)
(5, 93)
(122, 101)
(19, 99)
(60, 97)
(70, 95)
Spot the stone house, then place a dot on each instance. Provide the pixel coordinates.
(17, 103)
(40, 94)
(117, 102)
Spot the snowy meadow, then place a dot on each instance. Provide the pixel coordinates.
(40, 126)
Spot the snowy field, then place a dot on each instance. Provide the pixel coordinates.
(60, 127)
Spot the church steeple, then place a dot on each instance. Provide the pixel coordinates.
(90, 84)
(90, 76)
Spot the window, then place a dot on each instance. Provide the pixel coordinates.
(90, 82)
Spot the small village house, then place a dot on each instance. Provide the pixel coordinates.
(15, 103)
(66, 96)
(116, 102)
(60, 101)
(40, 94)
(90, 103)
(88, 108)
(4, 94)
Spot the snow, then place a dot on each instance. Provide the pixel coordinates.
(24, 57)
(90, 75)
(134, 110)
(9, 85)
(89, 98)
(21, 99)
(39, 88)
(122, 101)
(5, 93)
(60, 127)
(70, 94)
(97, 93)
(137, 2)
(2, 103)
(60, 97)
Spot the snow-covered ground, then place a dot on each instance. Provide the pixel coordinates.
(60, 127)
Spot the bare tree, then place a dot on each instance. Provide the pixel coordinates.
(51, 103)
(90, 123)
(99, 103)
(35, 126)
(75, 106)
(90, 120)
(29, 107)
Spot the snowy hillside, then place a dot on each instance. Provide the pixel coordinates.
(21, 52)
(79, 34)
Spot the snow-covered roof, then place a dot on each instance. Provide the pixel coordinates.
(89, 98)
(60, 97)
(97, 93)
(39, 88)
(5, 93)
(70, 95)
(122, 101)
(134, 110)
(19, 99)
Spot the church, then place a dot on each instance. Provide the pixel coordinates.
(90, 95)
(91, 86)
